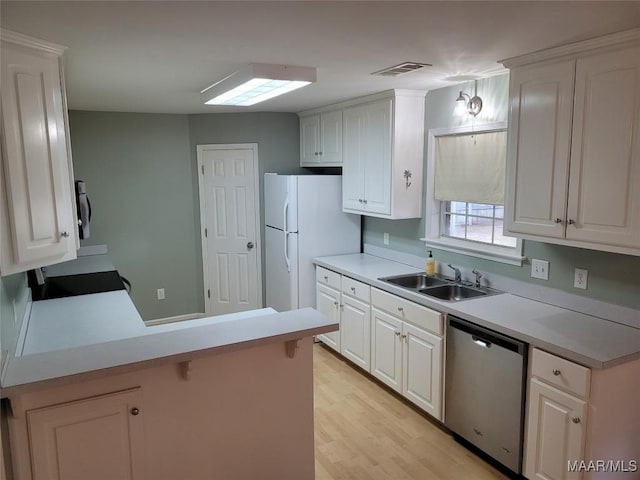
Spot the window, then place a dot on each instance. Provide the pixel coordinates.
(465, 193)
(474, 222)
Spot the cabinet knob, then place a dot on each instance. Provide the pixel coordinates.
(364, 201)
(315, 153)
(400, 309)
(135, 411)
(571, 222)
(557, 220)
(64, 234)
(335, 303)
(404, 337)
(397, 334)
(556, 372)
(360, 200)
(353, 289)
(326, 278)
(320, 153)
(575, 419)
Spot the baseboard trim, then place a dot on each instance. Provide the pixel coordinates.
(177, 318)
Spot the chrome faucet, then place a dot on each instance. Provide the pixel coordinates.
(457, 272)
(478, 276)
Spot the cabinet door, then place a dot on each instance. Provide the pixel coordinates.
(604, 198)
(36, 162)
(310, 140)
(328, 302)
(555, 433)
(422, 372)
(541, 106)
(386, 349)
(355, 331)
(353, 169)
(377, 179)
(97, 438)
(331, 138)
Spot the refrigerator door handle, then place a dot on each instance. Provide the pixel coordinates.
(286, 235)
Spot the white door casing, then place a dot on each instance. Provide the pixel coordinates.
(230, 226)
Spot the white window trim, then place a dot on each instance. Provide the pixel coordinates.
(511, 256)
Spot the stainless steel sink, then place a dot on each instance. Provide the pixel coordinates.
(453, 292)
(415, 281)
(439, 286)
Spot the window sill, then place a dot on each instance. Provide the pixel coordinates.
(489, 252)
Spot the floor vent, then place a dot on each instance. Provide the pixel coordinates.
(401, 69)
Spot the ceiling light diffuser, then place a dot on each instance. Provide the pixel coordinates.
(256, 83)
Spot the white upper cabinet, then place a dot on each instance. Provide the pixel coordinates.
(38, 203)
(573, 169)
(321, 139)
(383, 155)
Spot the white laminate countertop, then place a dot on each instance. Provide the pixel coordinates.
(584, 339)
(67, 339)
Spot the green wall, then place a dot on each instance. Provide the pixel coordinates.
(142, 179)
(13, 294)
(612, 277)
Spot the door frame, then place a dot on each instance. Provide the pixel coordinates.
(256, 203)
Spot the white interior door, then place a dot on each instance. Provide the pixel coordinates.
(229, 217)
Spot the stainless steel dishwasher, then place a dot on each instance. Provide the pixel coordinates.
(484, 390)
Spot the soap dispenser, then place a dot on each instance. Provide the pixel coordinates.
(430, 266)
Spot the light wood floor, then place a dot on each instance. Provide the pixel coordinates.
(365, 432)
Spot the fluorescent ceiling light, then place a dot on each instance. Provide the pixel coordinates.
(256, 83)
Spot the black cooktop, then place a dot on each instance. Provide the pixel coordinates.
(82, 284)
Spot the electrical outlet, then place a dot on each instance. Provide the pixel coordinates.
(385, 238)
(540, 269)
(161, 294)
(580, 278)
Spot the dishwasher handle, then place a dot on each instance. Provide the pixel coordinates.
(480, 342)
(483, 337)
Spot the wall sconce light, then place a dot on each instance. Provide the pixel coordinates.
(256, 83)
(472, 104)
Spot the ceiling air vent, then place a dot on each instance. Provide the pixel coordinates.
(401, 69)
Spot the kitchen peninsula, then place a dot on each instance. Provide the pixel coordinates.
(193, 399)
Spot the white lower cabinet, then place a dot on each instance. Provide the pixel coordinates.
(556, 417)
(328, 302)
(347, 302)
(100, 438)
(355, 328)
(405, 355)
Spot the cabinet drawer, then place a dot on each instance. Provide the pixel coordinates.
(356, 289)
(327, 277)
(560, 372)
(411, 312)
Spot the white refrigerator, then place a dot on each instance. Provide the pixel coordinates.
(303, 220)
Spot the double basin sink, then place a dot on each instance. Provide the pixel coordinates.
(439, 286)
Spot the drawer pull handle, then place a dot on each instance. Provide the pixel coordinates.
(556, 372)
(575, 419)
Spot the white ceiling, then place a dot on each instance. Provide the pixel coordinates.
(156, 56)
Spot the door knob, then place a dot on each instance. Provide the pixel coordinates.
(250, 245)
(135, 411)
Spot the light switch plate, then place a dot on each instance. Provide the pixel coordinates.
(161, 294)
(580, 278)
(385, 238)
(540, 269)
